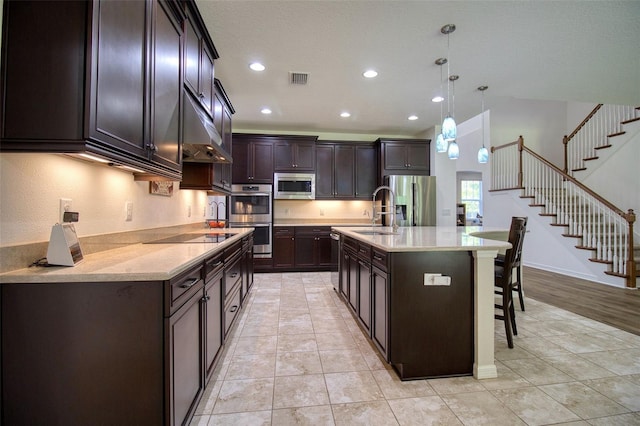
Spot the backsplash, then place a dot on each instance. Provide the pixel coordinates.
(322, 209)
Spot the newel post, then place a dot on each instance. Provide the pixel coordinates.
(565, 142)
(520, 148)
(631, 264)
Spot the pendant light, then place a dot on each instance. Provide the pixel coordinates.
(441, 144)
(449, 124)
(483, 153)
(453, 151)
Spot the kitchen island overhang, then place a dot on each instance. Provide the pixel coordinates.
(446, 277)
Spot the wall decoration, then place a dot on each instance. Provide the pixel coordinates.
(164, 188)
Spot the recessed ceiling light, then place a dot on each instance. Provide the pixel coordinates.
(265, 111)
(412, 117)
(370, 73)
(437, 99)
(345, 114)
(256, 66)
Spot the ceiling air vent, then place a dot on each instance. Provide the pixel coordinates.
(298, 77)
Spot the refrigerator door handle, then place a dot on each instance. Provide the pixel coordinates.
(413, 204)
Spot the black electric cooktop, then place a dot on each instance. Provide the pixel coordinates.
(193, 238)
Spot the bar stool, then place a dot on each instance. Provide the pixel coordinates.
(503, 278)
(517, 264)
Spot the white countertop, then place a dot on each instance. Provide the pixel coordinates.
(427, 238)
(137, 262)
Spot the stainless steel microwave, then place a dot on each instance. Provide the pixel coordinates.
(294, 186)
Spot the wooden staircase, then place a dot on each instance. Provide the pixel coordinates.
(597, 225)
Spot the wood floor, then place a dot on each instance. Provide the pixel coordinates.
(618, 307)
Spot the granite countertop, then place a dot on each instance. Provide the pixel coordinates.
(427, 238)
(136, 262)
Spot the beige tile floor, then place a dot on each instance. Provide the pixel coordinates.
(297, 357)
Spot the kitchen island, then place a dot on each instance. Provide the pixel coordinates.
(127, 336)
(424, 295)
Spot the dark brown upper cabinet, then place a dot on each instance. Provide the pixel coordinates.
(345, 170)
(214, 177)
(199, 54)
(295, 153)
(103, 91)
(404, 156)
(252, 158)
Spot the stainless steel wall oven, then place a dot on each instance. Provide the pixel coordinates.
(252, 206)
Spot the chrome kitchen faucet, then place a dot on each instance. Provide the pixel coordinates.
(388, 211)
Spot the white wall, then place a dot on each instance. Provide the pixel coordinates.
(32, 184)
(542, 124)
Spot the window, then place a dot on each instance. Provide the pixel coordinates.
(471, 195)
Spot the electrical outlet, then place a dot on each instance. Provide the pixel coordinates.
(321, 212)
(128, 208)
(65, 206)
(189, 211)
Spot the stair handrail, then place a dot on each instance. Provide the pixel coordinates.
(628, 216)
(592, 134)
(566, 139)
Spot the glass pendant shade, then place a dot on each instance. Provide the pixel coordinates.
(453, 152)
(449, 131)
(483, 155)
(441, 144)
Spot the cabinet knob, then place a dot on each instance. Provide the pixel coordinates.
(152, 147)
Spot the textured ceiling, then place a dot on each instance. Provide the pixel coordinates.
(585, 51)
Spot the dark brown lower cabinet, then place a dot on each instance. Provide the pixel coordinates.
(212, 302)
(185, 344)
(380, 309)
(83, 353)
(421, 330)
(302, 248)
(121, 353)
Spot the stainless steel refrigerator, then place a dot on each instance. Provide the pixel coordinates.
(415, 199)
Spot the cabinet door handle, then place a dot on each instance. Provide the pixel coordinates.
(190, 283)
(235, 274)
(152, 147)
(233, 308)
(377, 257)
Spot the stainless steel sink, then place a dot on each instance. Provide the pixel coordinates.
(374, 232)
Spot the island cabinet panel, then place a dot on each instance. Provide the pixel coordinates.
(421, 330)
(380, 310)
(81, 353)
(431, 327)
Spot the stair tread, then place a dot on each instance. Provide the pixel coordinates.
(603, 146)
(616, 134)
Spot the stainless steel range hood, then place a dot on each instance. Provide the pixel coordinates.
(201, 142)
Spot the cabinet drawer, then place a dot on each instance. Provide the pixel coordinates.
(312, 230)
(350, 243)
(283, 231)
(364, 251)
(182, 287)
(212, 266)
(379, 259)
(233, 273)
(232, 251)
(231, 309)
